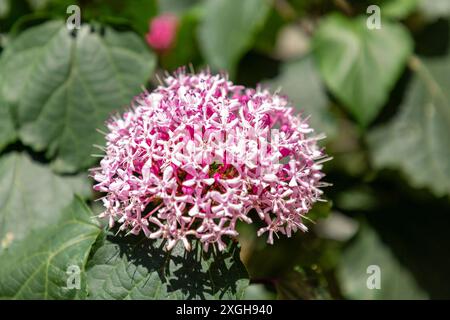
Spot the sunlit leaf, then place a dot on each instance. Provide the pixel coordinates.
(138, 268)
(64, 87)
(361, 65)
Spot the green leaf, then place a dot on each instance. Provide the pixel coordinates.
(436, 8)
(367, 249)
(7, 130)
(185, 50)
(360, 198)
(32, 196)
(138, 268)
(37, 266)
(38, 4)
(136, 13)
(397, 8)
(228, 30)
(304, 284)
(4, 8)
(416, 140)
(361, 66)
(300, 81)
(65, 87)
(176, 6)
(320, 210)
(258, 292)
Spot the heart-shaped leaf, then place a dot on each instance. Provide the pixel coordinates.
(417, 139)
(138, 268)
(41, 265)
(361, 65)
(228, 29)
(65, 85)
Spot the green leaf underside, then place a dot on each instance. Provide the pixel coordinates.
(72, 85)
(223, 46)
(138, 268)
(32, 196)
(367, 249)
(359, 65)
(36, 267)
(417, 139)
(300, 81)
(7, 130)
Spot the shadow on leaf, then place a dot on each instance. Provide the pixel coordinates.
(135, 267)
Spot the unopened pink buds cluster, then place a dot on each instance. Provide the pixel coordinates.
(198, 154)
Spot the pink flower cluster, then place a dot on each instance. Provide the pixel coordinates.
(162, 32)
(198, 154)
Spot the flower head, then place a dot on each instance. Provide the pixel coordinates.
(198, 154)
(162, 32)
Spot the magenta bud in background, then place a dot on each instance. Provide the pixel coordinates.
(162, 32)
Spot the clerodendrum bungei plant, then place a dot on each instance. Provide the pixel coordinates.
(198, 154)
